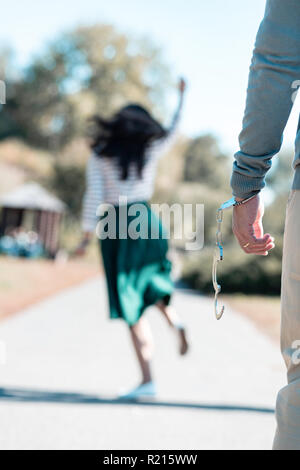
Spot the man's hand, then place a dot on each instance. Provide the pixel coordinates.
(248, 228)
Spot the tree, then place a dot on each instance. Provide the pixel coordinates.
(88, 70)
(280, 176)
(68, 183)
(205, 163)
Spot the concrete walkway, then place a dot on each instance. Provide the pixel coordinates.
(66, 363)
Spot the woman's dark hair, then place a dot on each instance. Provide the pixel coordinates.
(126, 137)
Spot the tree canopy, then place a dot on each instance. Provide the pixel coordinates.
(85, 71)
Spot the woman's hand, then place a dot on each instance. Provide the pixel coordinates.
(81, 249)
(182, 85)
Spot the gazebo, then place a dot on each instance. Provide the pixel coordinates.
(32, 207)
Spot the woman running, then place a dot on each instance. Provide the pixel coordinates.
(125, 153)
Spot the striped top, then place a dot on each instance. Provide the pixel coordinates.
(104, 183)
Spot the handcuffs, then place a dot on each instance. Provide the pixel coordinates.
(219, 252)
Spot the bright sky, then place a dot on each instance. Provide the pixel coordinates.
(209, 42)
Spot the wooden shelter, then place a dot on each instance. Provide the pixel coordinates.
(32, 207)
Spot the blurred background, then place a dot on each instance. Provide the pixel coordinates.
(63, 62)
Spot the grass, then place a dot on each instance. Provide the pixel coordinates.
(263, 311)
(24, 282)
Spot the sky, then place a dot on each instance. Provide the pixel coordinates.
(208, 42)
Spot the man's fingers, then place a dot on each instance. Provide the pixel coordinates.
(252, 245)
(258, 253)
(267, 245)
(253, 240)
(254, 250)
(249, 236)
(261, 243)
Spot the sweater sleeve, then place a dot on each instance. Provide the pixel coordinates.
(93, 195)
(274, 69)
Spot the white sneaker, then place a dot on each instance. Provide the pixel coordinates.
(147, 390)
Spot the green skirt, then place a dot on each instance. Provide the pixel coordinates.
(137, 270)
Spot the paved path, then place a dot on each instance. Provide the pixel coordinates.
(66, 362)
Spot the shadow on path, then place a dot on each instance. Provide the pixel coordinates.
(27, 395)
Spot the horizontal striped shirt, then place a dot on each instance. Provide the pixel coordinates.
(105, 185)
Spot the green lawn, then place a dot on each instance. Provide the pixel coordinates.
(24, 281)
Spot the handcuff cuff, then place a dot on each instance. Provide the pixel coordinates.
(219, 251)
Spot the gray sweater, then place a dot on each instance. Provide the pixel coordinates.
(274, 77)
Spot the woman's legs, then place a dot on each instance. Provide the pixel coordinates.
(174, 321)
(143, 345)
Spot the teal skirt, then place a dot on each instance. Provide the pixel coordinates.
(137, 269)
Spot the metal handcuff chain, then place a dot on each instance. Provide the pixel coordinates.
(219, 250)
